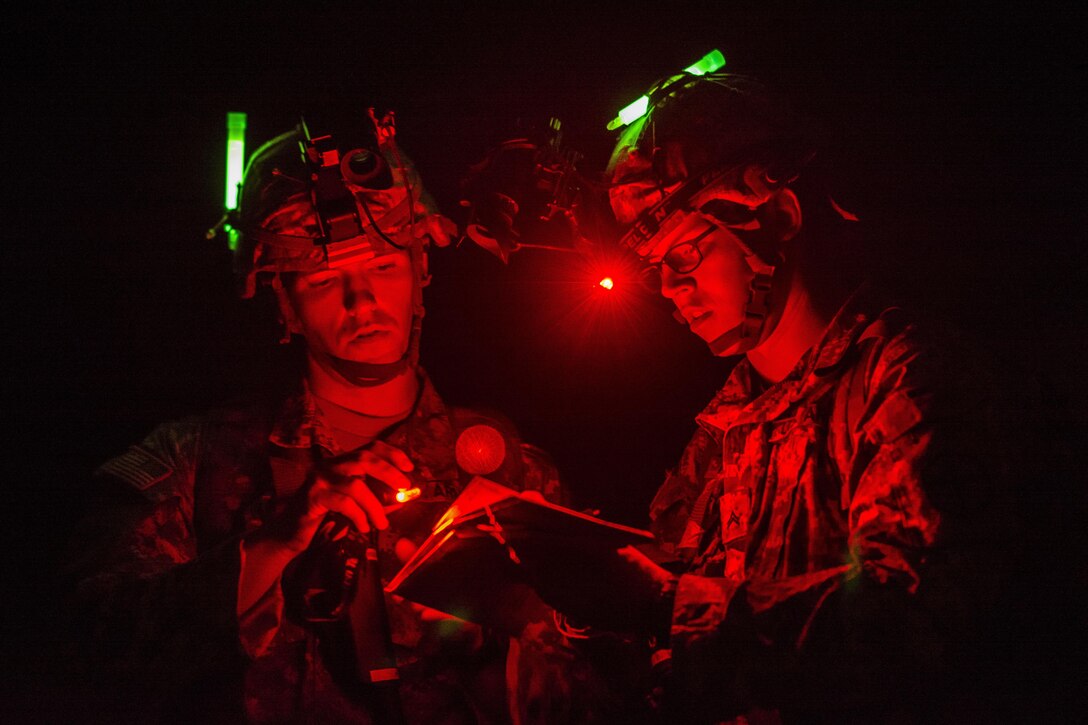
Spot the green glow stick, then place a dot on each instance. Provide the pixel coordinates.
(629, 113)
(709, 63)
(236, 154)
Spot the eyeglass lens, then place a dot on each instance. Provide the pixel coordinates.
(686, 257)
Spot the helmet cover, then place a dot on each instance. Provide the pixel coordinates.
(281, 230)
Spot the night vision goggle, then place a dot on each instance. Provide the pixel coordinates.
(525, 193)
(344, 170)
(336, 175)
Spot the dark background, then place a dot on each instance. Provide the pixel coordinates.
(960, 130)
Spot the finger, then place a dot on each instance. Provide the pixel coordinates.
(392, 507)
(395, 456)
(326, 499)
(377, 468)
(359, 492)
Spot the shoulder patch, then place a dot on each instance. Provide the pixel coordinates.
(136, 467)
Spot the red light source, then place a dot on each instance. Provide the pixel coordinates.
(405, 495)
(606, 283)
(480, 449)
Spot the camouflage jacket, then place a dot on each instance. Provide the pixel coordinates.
(158, 568)
(841, 533)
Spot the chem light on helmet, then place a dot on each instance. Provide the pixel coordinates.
(630, 113)
(236, 157)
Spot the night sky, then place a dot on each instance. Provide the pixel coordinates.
(959, 131)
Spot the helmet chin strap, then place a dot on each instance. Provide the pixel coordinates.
(368, 375)
(728, 340)
(749, 332)
(365, 375)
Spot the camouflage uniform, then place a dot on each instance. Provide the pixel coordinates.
(841, 533)
(159, 570)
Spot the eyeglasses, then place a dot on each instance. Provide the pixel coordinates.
(685, 257)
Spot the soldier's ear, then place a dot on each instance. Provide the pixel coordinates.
(291, 323)
(783, 214)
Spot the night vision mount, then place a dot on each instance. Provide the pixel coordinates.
(341, 160)
(340, 163)
(527, 193)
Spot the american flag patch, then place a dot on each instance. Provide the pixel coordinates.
(136, 467)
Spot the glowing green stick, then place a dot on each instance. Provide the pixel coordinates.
(630, 113)
(709, 63)
(236, 156)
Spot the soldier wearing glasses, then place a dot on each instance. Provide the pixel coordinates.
(829, 536)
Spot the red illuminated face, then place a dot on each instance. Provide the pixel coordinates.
(360, 312)
(713, 296)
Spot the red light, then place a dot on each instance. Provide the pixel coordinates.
(606, 283)
(407, 494)
(480, 449)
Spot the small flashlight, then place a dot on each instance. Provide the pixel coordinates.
(405, 495)
(607, 283)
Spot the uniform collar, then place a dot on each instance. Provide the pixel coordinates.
(302, 424)
(738, 401)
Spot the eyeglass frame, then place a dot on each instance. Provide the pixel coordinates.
(694, 244)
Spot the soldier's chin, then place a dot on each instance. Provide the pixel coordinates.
(726, 343)
(375, 354)
(708, 328)
(730, 350)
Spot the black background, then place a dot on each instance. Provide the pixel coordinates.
(961, 130)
